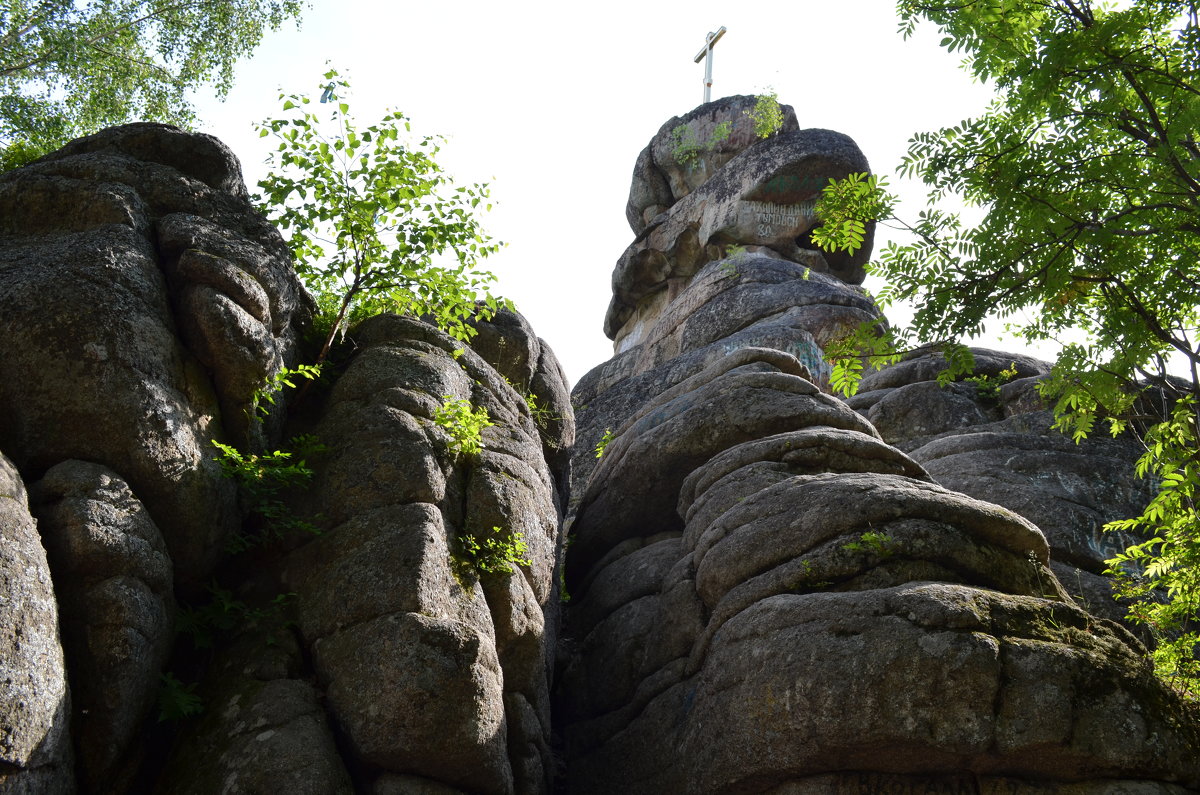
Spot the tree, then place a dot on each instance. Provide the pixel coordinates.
(1087, 167)
(71, 67)
(373, 222)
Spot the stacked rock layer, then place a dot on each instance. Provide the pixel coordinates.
(770, 590)
(775, 591)
(144, 303)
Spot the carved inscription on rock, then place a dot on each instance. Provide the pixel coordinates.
(768, 219)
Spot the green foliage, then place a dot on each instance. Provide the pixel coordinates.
(846, 206)
(766, 114)
(177, 701)
(687, 147)
(873, 543)
(542, 416)
(988, 387)
(873, 343)
(464, 423)
(373, 222)
(263, 479)
(69, 69)
(729, 266)
(1087, 170)
(222, 613)
(564, 596)
(602, 445)
(264, 398)
(497, 553)
(1168, 561)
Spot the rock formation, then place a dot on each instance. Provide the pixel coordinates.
(770, 590)
(144, 302)
(775, 591)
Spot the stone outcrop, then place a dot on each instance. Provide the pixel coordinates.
(992, 438)
(399, 638)
(144, 301)
(769, 589)
(431, 668)
(35, 701)
(660, 178)
(764, 197)
(776, 591)
(114, 585)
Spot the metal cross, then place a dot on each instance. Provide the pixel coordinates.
(706, 55)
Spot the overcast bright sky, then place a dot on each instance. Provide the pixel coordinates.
(551, 103)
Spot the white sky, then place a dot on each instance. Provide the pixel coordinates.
(551, 103)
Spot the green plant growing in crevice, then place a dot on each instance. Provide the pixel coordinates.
(223, 612)
(602, 445)
(176, 700)
(464, 423)
(264, 397)
(729, 265)
(686, 147)
(262, 480)
(204, 624)
(802, 584)
(542, 416)
(872, 542)
(766, 114)
(498, 553)
(564, 596)
(988, 387)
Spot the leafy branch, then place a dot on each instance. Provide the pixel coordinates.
(373, 222)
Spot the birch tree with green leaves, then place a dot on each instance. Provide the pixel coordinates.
(1086, 167)
(72, 67)
(373, 222)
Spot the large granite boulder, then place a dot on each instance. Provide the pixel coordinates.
(404, 642)
(747, 301)
(689, 149)
(763, 197)
(418, 643)
(114, 588)
(527, 363)
(774, 591)
(433, 666)
(35, 701)
(816, 605)
(992, 438)
(145, 301)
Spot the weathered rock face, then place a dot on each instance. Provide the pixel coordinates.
(113, 580)
(772, 590)
(431, 667)
(660, 179)
(144, 303)
(761, 199)
(771, 593)
(35, 746)
(995, 442)
(131, 264)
